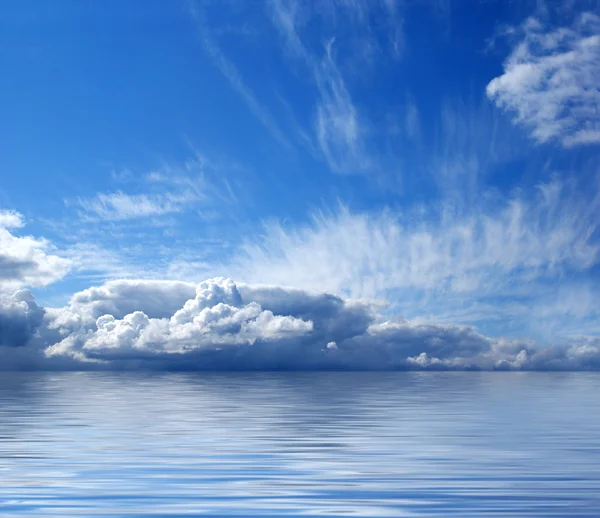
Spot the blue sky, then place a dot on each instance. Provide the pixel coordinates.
(438, 159)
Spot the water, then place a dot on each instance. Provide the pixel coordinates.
(331, 444)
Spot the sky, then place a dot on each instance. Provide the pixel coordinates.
(288, 185)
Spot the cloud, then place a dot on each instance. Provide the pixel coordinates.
(199, 183)
(333, 317)
(226, 326)
(215, 319)
(551, 79)
(20, 317)
(157, 299)
(233, 76)
(11, 219)
(118, 206)
(199, 190)
(167, 319)
(25, 260)
(328, 44)
(365, 254)
(338, 127)
(499, 261)
(472, 141)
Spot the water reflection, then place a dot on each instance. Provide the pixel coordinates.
(368, 444)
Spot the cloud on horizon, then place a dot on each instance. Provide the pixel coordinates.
(427, 289)
(218, 325)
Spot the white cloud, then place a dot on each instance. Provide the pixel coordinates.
(215, 318)
(157, 299)
(119, 206)
(363, 255)
(551, 79)
(169, 198)
(26, 260)
(336, 126)
(11, 219)
(231, 73)
(197, 184)
(501, 261)
(223, 327)
(339, 130)
(92, 261)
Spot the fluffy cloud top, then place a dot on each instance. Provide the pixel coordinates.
(25, 260)
(215, 318)
(551, 81)
(157, 299)
(219, 325)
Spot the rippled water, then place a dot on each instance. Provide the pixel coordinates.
(335, 444)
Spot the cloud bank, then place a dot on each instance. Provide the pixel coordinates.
(219, 325)
(312, 297)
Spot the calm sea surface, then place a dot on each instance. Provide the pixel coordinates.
(365, 444)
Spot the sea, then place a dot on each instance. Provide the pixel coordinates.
(411, 444)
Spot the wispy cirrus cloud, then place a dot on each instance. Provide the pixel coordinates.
(338, 126)
(551, 78)
(334, 125)
(198, 184)
(233, 76)
(118, 206)
(472, 141)
(496, 260)
(108, 235)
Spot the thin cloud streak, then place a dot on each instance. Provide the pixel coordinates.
(118, 206)
(338, 127)
(231, 73)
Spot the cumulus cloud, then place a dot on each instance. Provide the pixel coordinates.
(21, 327)
(551, 79)
(20, 318)
(333, 317)
(26, 260)
(157, 299)
(226, 326)
(215, 318)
